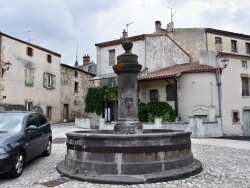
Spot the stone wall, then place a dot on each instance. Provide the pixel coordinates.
(75, 100)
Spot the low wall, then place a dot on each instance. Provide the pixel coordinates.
(195, 125)
(82, 123)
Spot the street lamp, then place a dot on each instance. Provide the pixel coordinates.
(224, 63)
(5, 67)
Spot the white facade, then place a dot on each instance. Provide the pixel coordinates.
(154, 52)
(41, 93)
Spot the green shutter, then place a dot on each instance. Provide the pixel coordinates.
(32, 77)
(45, 78)
(170, 92)
(29, 77)
(53, 81)
(153, 95)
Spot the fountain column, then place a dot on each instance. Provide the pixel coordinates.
(127, 69)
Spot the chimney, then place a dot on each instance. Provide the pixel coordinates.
(157, 27)
(170, 27)
(218, 44)
(124, 34)
(86, 61)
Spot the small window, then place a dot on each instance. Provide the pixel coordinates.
(111, 57)
(49, 112)
(76, 74)
(49, 81)
(41, 119)
(75, 103)
(248, 48)
(49, 58)
(153, 95)
(31, 121)
(29, 77)
(236, 117)
(76, 87)
(111, 82)
(29, 51)
(29, 106)
(203, 117)
(245, 86)
(233, 45)
(244, 64)
(170, 92)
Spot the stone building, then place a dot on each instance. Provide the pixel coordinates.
(74, 86)
(32, 82)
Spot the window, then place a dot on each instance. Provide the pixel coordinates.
(49, 81)
(31, 121)
(41, 119)
(29, 51)
(111, 57)
(233, 45)
(203, 117)
(153, 95)
(245, 86)
(49, 58)
(236, 117)
(29, 106)
(76, 74)
(111, 82)
(248, 48)
(29, 76)
(170, 92)
(49, 112)
(76, 87)
(244, 64)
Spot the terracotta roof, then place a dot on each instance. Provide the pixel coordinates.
(137, 38)
(176, 70)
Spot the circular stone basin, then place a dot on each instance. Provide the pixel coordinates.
(104, 157)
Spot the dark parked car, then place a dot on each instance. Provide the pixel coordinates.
(23, 136)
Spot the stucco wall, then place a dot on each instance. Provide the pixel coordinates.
(197, 95)
(145, 87)
(232, 98)
(74, 100)
(192, 40)
(103, 56)
(16, 92)
(161, 52)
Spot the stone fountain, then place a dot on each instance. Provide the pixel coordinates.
(128, 154)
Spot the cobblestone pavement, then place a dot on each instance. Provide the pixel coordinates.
(226, 164)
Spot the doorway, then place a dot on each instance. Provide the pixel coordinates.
(246, 120)
(65, 112)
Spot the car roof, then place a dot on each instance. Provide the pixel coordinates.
(18, 112)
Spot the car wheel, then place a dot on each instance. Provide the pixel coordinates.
(17, 168)
(48, 148)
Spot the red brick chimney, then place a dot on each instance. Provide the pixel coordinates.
(86, 61)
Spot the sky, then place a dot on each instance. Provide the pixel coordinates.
(73, 27)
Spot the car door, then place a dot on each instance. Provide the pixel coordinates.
(45, 130)
(33, 138)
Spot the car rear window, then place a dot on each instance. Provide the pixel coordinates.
(11, 123)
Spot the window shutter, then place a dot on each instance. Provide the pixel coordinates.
(45, 78)
(27, 75)
(53, 81)
(32, 77)
(170, 92)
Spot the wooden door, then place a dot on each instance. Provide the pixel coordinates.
(65, 111)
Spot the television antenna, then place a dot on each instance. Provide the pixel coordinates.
(29, 39)
(128, 25)
(172, 14)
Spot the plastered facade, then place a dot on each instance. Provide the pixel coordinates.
(15, 93)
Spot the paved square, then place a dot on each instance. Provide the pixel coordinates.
(226, 164)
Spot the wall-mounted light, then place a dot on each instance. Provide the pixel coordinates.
(6, 66)
(224, 63)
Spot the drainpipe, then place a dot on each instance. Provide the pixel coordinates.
(218, 79)
(206, 40)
